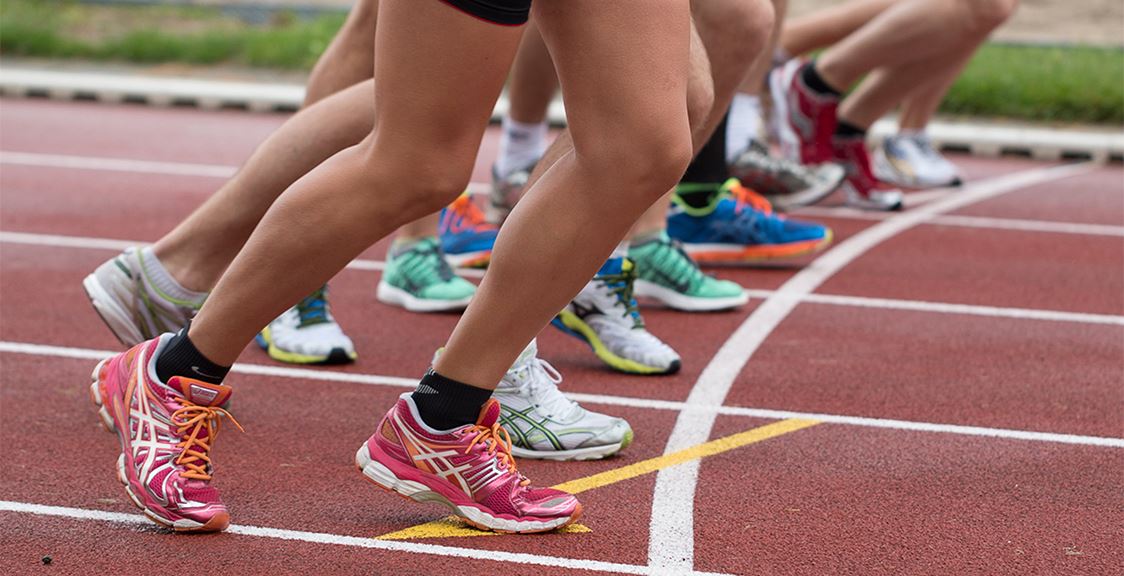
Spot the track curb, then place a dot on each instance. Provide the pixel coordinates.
(981, 139)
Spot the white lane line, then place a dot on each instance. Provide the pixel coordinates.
(671, 541)
(89, 243)
(116, 164)
(326, 375)
(350, 541)
(1021, 225)
(951, 308)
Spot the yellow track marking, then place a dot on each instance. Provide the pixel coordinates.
(451, 526)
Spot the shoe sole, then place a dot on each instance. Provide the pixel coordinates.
(335, 356)
(577, 454)
(216, 523)
(116, 318)
(569, 323)
(469, 259)
(384, 478)
(672, 299)
(731, 254)
(394, 296)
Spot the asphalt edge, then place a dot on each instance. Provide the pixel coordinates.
(977, 138)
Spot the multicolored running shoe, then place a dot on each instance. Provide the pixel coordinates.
(807, 119)
(418, 278)
(308, 334)
(466, 236)
(667, 274)
(738, 225)
(468, 469)
(130, 304)
(605, 316)
(167, 432)
(545, 424)
(505, 192)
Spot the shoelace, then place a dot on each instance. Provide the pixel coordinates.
(428, 260)
(469, 215)
(498, 444)
(746, 196)
(778, 165)
(313, 309)
(683, 269)
(543, 380)
(622, 285)
(193, 450)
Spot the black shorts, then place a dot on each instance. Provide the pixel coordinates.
(506, 12)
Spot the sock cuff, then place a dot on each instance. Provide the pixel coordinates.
(160, 279)
(530, 128)
(816, 83)
(180, 357)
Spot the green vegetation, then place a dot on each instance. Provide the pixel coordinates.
(1041, 83)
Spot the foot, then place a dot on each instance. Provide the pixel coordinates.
(605, 316)
(545, 424)
(167, 431)
(419, 279)
(666, 273)
(786, 184)
(505, 192)
(468, 469)
(911, 161)
(308, 334)
(863, 189)
(466, 236)
(130, 304)
(738, 225)
(808, 119)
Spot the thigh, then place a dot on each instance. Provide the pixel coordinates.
(437, 76)
(622, 64)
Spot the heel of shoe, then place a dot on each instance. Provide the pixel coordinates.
(385, 478)
(96, 378)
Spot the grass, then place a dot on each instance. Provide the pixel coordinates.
(1038, 83)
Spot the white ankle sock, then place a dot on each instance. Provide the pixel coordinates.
(521, 145)
(160, 279)
(743, 125)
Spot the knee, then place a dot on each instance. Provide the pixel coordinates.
(743, 25)
(415, 180)
(984, 16)
(643, 163)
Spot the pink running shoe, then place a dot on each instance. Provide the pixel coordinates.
(166, 433)
(806, 119)
(863, 189)
(469, 469)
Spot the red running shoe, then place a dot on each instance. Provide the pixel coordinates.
(806, 119)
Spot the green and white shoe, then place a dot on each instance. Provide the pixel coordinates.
(545, 424)
(669, 275)
(418, 278)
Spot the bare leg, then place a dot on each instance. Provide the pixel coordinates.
(348, 60)
(363, 192)
(828, 26)
(533, 81)
(623, 70)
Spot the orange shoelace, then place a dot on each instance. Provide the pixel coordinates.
(194, 449)
(470, 211)
(498, 442)
(749, 196)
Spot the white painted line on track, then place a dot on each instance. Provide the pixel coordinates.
(116, 164)
(671, 541)
(327, 375)
(350, 541)
(89, 243)
(985, 222)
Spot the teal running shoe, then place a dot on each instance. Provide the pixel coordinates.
(418, 278)
(667, 274)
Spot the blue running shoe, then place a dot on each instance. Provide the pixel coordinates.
(739, 225)
(466, 236)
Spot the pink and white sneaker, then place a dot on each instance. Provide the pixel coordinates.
(469, 469)
(167, 432)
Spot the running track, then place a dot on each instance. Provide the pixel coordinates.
(940, 393)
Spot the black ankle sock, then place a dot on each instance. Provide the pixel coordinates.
(444, 403)
(845, 129)
(813, 80)
(180, 358)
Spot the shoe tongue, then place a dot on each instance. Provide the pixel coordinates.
(489, 414)
(528, 354)
(199, 392)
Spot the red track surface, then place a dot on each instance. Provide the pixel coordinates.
(832, 499)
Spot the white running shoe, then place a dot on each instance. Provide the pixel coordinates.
(545, 424)
(307, 334)
(605, 316)
(131, 304)
(910, 160)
